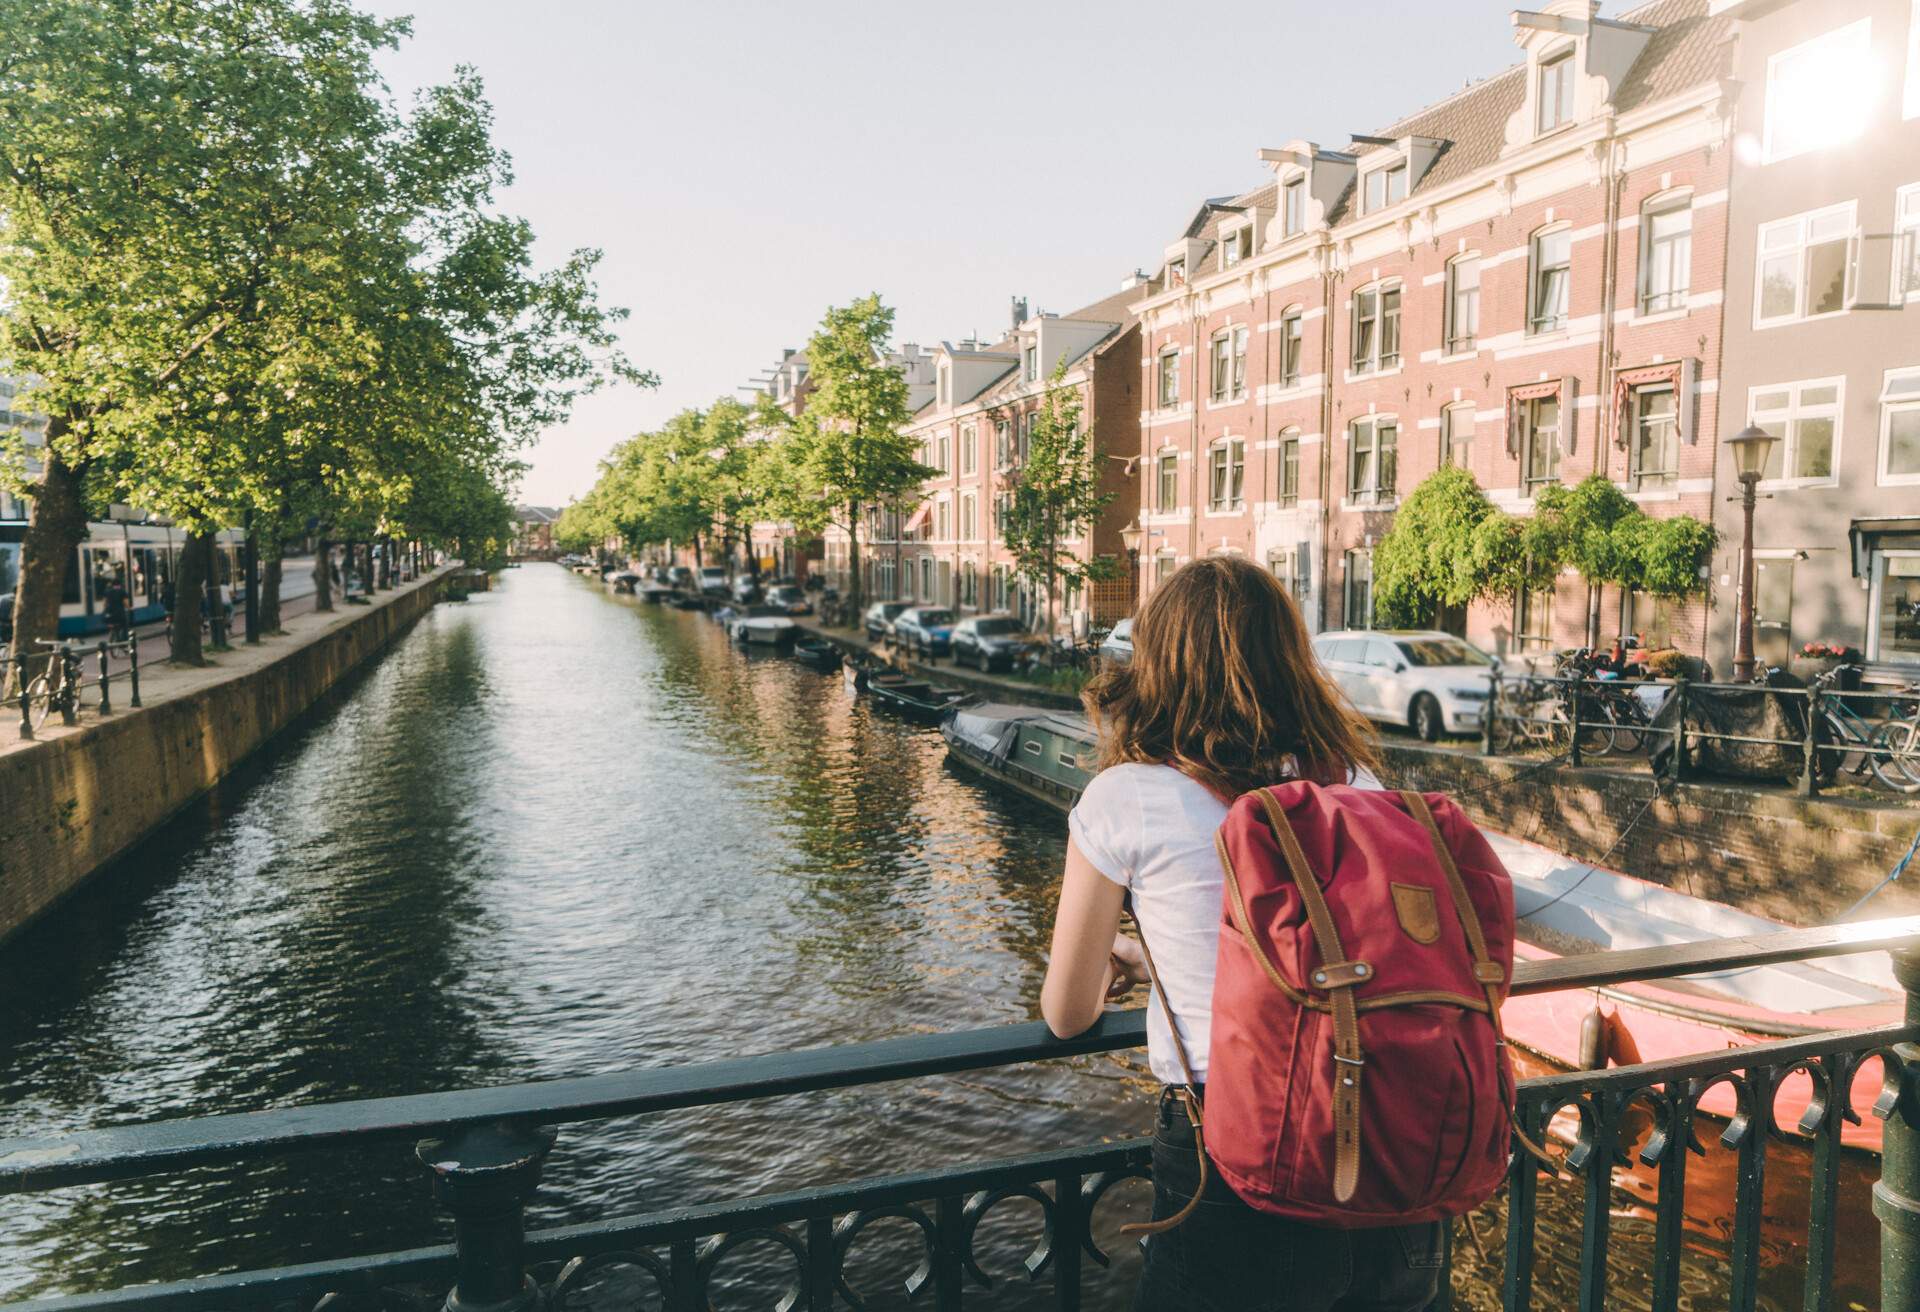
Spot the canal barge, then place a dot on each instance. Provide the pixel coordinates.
(1565, 907)
(817, 654)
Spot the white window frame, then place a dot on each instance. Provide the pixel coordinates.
(1293, 205)
(969, 517)
(1906, 220)
(1377, 360)
(1907, 379)
(1177, 272)
(1679, 266)
(1030, 362)
(1911, 99)
(1162, 503)
(1293, 330)
(1560, 66)
(1876, 590)
(1235, 498)
(1788, 418)
(1637, 474)
(1287, 456)
(1376, 490)
(1236, 244)
(1161, 398)
(1803, 225)
(1385, 173)
(1858, 33)
(1530, 433)
(1453, 341)
(1229, 384)
(1536, 326)
(969, 448)
(1451, 418)
(1348, 559)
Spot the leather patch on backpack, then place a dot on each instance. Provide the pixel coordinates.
(1419, 913)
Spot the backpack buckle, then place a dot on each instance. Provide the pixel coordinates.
(1350, 1061)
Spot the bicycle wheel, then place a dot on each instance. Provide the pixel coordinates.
(39, 701)
(1896, 759)
(1846, 746)
(1596, 728)
(1629, 726)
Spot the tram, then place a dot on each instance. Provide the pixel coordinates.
(143, 554)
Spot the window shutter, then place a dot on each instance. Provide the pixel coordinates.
(1568, 415)
(1684, 391)
(1513, 426)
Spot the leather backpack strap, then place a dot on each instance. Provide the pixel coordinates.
(1338, 977)
(1189, 1100)
(1485, 969)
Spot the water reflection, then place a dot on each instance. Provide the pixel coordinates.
(551, 833)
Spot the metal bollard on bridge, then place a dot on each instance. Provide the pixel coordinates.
(1896, 1196)
(483, 1175)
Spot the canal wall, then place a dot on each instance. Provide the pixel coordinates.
(74, 802)
(1800, 860)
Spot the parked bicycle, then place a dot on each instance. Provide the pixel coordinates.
(1530, 712)
(1888, 749)
(56, 687)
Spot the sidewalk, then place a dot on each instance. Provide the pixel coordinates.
(161, 682)
(1001, 687)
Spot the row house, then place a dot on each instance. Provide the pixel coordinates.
(949, 547)
(1523, 279)
(1823, 324)
(774, 547)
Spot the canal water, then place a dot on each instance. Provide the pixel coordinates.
(554, 832)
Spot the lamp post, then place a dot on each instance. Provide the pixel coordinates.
(1130, 539)
(1751, 447)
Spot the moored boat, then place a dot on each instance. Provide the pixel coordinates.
(764, 631)
(1565, 907)
(817, 653)
(624, 581)
(915, 699)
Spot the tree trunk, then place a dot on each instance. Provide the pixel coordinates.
(269, 613)
(855, 594)
(54, 535)
(1593, 615)
(189, 586)
(323, 576)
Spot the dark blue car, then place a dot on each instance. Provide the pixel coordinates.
(926, 630)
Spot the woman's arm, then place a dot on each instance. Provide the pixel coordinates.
(1083, 968)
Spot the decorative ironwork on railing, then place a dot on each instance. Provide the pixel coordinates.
(485, 1149)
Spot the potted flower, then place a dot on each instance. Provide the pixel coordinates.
(1816, 658)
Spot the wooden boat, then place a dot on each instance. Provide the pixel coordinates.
(817, 653)
(687, 601)
(914, 699)
(764, 631)
(624, 581)
(1565, 907)
(654, 591)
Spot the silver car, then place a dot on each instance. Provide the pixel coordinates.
(1117, 646)
(1429, 681)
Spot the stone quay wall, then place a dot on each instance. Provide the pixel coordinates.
(74, 803)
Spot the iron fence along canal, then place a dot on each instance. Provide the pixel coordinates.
(484, 1150)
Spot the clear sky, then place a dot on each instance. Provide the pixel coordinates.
(745, 165)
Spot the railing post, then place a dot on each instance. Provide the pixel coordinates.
(1680, 728)
(69, 687)
(26, 702)
(1896, 1196)
(484, 1174)
(1574, 755)
(133, 669)
(1809, 771)
(1493, 709)
(106, 685)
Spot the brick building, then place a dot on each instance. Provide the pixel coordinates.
(949, 549)
(1823, 324)
(1524, 278)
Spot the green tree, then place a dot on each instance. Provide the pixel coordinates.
(846, 453)
(1427, 559)
(1056, 496)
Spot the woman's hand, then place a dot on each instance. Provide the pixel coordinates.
(1126, 966)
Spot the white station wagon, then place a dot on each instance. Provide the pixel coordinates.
(1429, 681)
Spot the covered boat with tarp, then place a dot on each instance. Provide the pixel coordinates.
(1753, 733)
(1045, 754)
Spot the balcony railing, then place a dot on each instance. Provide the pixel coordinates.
(485, 1148)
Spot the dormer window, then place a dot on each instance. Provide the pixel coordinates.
(1236, 246)
(1177, 273)
(1556, 91)
(1030, 362)
(1385, 186)
(944, 384)
(1293, 208)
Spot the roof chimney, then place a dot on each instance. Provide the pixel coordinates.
(1132, 280)
(1019, 311)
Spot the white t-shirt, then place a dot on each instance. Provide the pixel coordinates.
(1150, 828)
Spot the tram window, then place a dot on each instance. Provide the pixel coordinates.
(70, 584)
(9, 566)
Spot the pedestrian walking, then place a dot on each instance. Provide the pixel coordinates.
(1260, 1180)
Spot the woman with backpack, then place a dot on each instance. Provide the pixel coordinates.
(1223, 698)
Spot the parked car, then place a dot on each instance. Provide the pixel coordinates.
(990, 641)
(878, 620)
(792, 598)
(746, 589)
(1118, 644)
(1429, 681)
(713, 581)
(927, 630)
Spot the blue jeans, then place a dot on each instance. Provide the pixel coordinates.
(1228, 1257)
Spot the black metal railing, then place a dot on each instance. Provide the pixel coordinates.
(1867, 735)
(485, 1148)
(54, 680)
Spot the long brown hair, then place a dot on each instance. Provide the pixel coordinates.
(1224, 686)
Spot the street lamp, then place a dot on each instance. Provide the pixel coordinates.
(1130, 539)
(1751, 449)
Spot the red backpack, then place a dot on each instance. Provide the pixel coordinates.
(1358, 1075)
